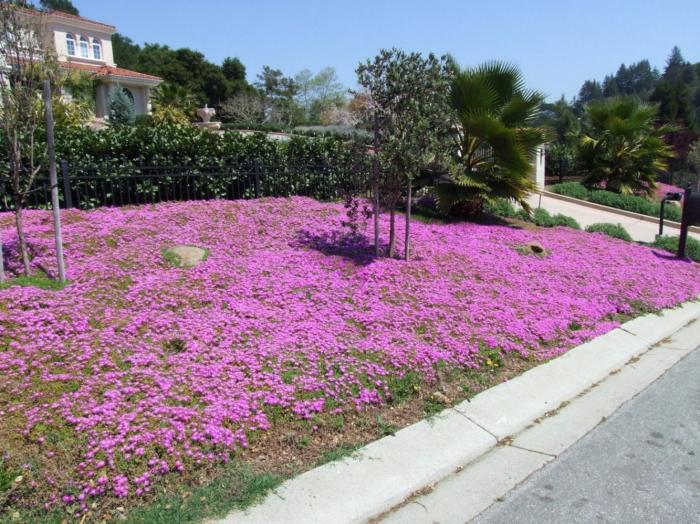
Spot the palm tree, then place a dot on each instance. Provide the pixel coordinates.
(623, 149)
(172, 102)
(495, 138)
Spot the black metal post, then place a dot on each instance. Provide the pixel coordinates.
(684, 223)
(661, 217)
(67, 195)
(257, 170)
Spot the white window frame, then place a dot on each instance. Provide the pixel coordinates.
(84, 45)
(96, 49)
(70, 44)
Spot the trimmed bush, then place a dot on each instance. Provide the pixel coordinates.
(612, 230)
(635, 204)
(542, 218)
(670, 244)
(566, 221)
(571, 189)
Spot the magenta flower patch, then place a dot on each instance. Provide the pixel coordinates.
(141, 368)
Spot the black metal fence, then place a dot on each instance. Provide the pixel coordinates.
(91, 186)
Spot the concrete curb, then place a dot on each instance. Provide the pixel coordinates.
(389, 471)
(593, 205)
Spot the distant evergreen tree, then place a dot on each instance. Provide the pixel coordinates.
(673, 92)
(121, 108)
(610, 87)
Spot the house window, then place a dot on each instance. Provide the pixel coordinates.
(83, 47)
(70, 44)
(96, 49)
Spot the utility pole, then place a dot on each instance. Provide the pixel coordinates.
(53, 181)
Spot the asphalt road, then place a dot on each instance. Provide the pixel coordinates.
(642, 465)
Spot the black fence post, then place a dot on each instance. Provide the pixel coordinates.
(684, 222)
(258, 168)
(67, 194)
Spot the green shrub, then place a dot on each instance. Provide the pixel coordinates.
(692, 246)
(500, 207)
(143, 120)
(612, 230)
(121, 108)
(566, 221)
(571, 189)
(542, 218)
(635, 204)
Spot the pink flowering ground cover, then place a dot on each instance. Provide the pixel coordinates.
(140, 369)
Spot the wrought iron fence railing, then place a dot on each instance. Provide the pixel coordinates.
(91, 186)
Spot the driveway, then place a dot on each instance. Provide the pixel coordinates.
(640, 230)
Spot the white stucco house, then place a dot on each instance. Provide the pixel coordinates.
(86, 45)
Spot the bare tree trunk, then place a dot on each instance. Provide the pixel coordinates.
(2, 261)
(19, 221)
(392, 230)
(407, 241)
(53, 180)
(375, 211)
(375, 188)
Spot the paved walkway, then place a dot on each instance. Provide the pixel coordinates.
(640, 230)
(641, 465)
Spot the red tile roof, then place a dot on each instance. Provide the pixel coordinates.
(61, 14)
(109, 71)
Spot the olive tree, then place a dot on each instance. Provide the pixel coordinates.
(408, 97)
(25, 62)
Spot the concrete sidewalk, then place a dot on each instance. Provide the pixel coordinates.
(640, 230)
(640, 465)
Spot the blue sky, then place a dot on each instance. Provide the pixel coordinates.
(557, 44)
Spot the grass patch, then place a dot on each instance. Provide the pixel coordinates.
(39, 280)
(237, 488)
(338, 453)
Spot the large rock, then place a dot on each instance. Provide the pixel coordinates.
(185, 256)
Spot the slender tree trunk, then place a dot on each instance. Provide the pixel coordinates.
(375, 212)
(2, 261)
(19, 221)
(53, 180)
(392, 230)
(375, 183)
(407, 240)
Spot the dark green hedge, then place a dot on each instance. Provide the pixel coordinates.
(631, 203)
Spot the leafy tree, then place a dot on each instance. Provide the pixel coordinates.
(623, 149)
(319, 93)
(278, 92)
(126, 53)
(121, 108)
(233, 69)
(208, 82)
(495, 140)
(408, 98)
(21, 108)
(65, 6)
